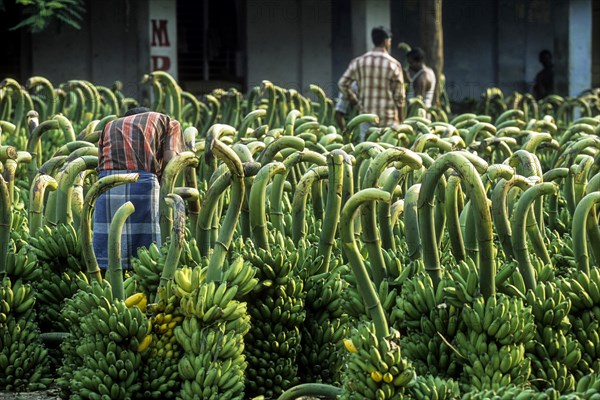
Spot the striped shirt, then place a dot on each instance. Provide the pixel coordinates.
(138, 142)
(380, 85)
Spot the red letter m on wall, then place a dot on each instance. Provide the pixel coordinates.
(160, 36)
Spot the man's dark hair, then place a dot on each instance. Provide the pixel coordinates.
(544, 53)
(136, 110)
(379, 34)
(416, 54)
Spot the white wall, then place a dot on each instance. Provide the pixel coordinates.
(580, 46)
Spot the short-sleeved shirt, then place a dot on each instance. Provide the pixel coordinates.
(138, 142)
(380, 85)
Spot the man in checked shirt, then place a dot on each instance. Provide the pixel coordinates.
(142, 142)
(380, 82)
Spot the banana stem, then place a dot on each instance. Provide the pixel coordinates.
(368, 220)
(208, 209)
(177, 164)
(452, 194)
(277, 188)
(579, 230)
(257, 203)
(299, 201)
(555, 174)
(5, 223)
(34, 141)
(87, 248)
(475, 191)
(115, 268)
(311, 390)
(236, 168)
(36, 200)
(519, 240)
(500, 210)
(335, 161)
(66, 179)
(364, 284)
(282, 142)
(411, 222)
(177, 238)
(384, 214)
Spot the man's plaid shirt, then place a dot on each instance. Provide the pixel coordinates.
(380, 85)
(138, 142)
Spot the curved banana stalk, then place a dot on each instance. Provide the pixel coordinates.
(66, 179)
(384, 214)
(34, 146)
(555, 174)
(353, 127)
(453, 198)
(519, 240)
(66, 127)
(500, 210)
(98, 128)
(321, 101)
(368, 220)
(115, 269)
(257, 203)
(276, 197)
(5, 223)
(179, 163)
(579, 230)
(109, 100)
(36, 200)
(208, 209)
(172, 93)
(363, 281)
(335, 162)
(190, 112)
(269, 88)
(411, 222)
(10, 170)
(476, 193)
(311, 390)
(299, 202)
(7, 152)
(177, 238)
(12, 86)
(40, 84)
(248, 120)
(70, 147)
(283, 142)
(234, 164)
(87, 248)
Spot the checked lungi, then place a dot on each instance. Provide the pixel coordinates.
(141, 227)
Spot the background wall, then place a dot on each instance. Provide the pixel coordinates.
(112, 45)
(289, 43)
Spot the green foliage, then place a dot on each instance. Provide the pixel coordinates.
(40, 13)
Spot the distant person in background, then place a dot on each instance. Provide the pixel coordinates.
(544, 80)
(380, 82)
(421, 78)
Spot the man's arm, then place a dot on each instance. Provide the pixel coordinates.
(397, 86)
(420, 85)
(345, 84)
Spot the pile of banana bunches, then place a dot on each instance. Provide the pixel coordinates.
(456, 256)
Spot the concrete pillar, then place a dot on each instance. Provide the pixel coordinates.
(367, 14)
(580, 46)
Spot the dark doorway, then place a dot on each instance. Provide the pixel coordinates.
(211, 45)
(10, 63)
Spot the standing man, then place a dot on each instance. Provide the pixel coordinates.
(380, 83)
(544, 79)
(420, 76)
(142, 142)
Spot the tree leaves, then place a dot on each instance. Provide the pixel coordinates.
(42, 12)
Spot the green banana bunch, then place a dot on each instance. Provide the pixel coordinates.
(493, 345)
(375, 367)
(428, 348)
(52, 290)
(554, 352)
(588, 387)
(148, 266)
(56, 245)
(16, 300)
(433, 387)
(212, 334)
(325, 325)
(20, 264)
(417, 299)
(463, 287)
(19, 226)
(24, 363)
(278, 312)
(106, 359)
(159, 374)
(561, 250)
